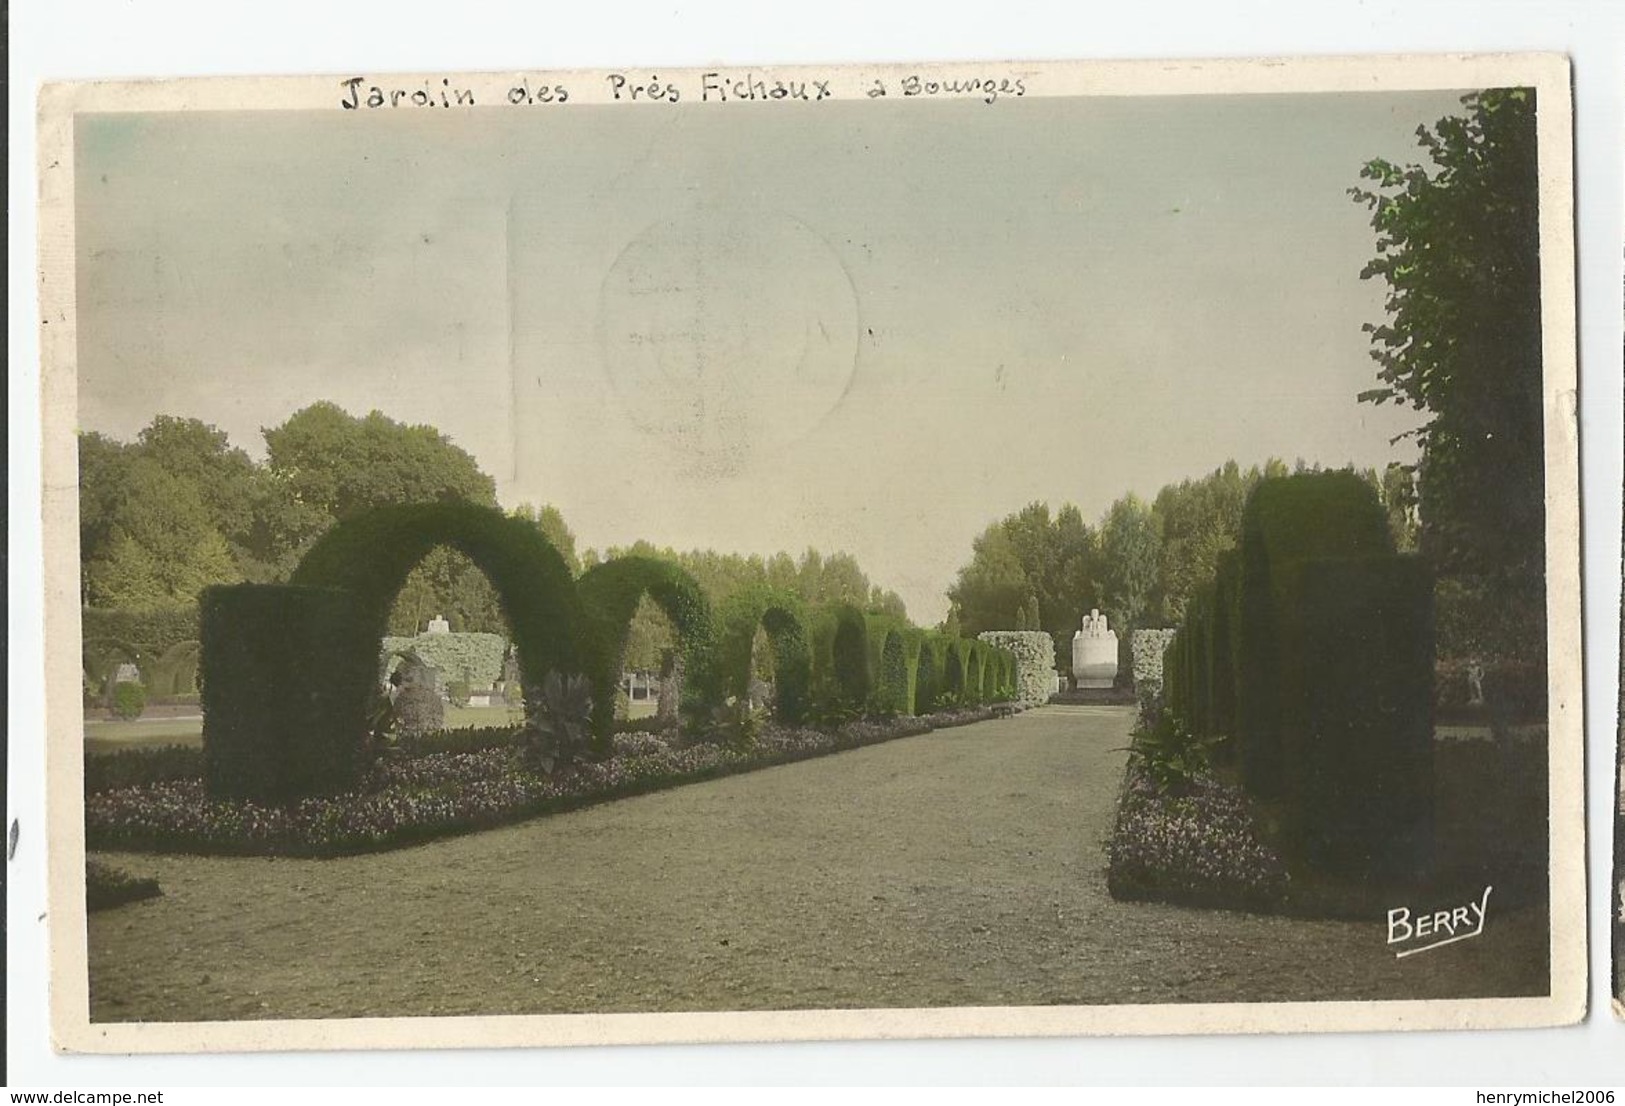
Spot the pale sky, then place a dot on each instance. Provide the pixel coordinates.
(870, 327)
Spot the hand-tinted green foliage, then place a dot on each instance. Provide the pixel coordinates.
(1356, 694)
(289, 674)
(473, 659)
(141, 638)
(1458, 247)
(558, 722)
(1167, 754)
(371, 554)
(840, 660)
(928, 670)
(610, 593)
(1296, 518)
(728, 675)
(129, 700)
(891, 658)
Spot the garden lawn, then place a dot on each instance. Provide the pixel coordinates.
(959, 867)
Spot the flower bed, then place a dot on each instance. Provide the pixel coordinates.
(1199, 848)
(408, 799)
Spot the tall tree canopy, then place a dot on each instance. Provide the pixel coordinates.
(1458, 247)
(339, 464)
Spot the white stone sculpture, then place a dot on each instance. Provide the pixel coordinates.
(1094, 653)
(438, 625)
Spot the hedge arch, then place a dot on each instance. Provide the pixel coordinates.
(102, 658)
(175, 672)
(841, 665)
(975, 665)
(370, 555)
(727, 673)
(955, 667)
(609, 594)
(927, 684)
(893, 651)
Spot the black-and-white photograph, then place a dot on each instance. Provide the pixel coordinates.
(1096, 546)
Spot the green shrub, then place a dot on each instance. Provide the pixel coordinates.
(457, 692)
(1356, 709)
(129, 700)
(1168, 755)
(736, 724)
(558, 727)
(1288, 520)
(609, 594)
(370, 554)
(289, 677)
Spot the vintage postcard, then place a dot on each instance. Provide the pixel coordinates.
(804, 553)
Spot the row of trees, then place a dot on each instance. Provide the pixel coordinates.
(1140, 564)
(180, 509)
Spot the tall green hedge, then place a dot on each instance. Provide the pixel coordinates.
(954, 665)
(1222, 644)
(928, 671)
(780, 614)
(1356, 694)
(840, 661)
(1286, 521)
(371, 554)
(610, 593)
(109, 638)
(973, 671)
(288, 675)
(891, 663)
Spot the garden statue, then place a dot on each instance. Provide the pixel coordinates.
(1094, 653)
(438, 625)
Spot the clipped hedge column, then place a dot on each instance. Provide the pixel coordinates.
(288, 676)
(1356, 698)
(1288, 520)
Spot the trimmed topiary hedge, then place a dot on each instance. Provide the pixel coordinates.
(610, 593)
(891, 660)
(371, 553)
(840, 657)
(1288, 520)
(928, 674)
(1356, 693)
(288, 676)
(955, 665)
(728, 673)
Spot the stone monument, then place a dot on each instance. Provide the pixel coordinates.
(438, 625)
(1094, 653)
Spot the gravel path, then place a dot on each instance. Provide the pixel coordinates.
(963, 867)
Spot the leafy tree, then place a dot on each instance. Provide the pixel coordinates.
(1197, 520)
(1458, 247)
(159, 546)
(339, 464)
(1130, 549)
(550, 521)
